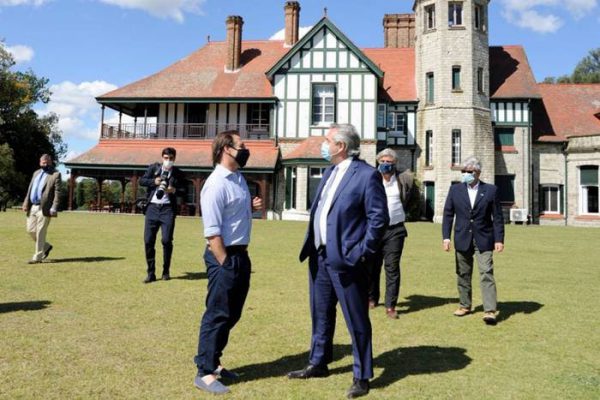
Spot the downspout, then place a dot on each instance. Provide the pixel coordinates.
(529, 161)
(566, 197)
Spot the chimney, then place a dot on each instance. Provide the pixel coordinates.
(292, 22)
(399, 30)
(234, 42)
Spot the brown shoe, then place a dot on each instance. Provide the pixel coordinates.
(372, 304)
(462, 311)
(391, 313)
(489, 317)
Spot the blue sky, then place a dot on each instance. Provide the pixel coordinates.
(88, 47)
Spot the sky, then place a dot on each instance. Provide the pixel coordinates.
(89, 47)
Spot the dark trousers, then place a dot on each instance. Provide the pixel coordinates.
(228, 286)
(389, 254)
(163, 217)
(349, 287)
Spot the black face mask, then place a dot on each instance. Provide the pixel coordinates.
(242, 157)
(47, 168)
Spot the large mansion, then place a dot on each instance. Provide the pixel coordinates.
(436, 93)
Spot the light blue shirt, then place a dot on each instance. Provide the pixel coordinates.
(226, 207)
(38, 187)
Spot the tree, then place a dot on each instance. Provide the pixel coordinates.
(27, 134)
(588, 69)
(9, 178)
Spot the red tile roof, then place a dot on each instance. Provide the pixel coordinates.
(510, 73)
(309, 148)
(190, 153)
(567, 110)
(202, 75)
(398, 65)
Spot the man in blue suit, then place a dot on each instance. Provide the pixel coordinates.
(479, 230)
(347, 221)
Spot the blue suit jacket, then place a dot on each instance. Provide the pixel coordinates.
(484, 222)
(357, 218)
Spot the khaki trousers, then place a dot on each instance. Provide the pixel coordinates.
(464, 272)
(37, 227)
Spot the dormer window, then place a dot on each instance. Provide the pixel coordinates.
(455, 13)
(430, 17)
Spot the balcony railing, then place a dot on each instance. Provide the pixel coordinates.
(181, 131)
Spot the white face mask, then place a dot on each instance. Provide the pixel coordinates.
(167, 164)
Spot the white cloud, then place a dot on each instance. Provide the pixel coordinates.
(19, 53)
(10, 3)
(280, 34)
(76, 107)
(544, 16)
(174, 9)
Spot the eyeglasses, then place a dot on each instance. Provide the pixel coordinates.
(466, 171)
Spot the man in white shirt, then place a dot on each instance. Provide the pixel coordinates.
(398, 188)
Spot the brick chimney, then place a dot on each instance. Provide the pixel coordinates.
(399, 30)
(292, 22)
(234, 42)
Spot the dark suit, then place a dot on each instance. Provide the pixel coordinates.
(476, 230)
(355, 223)
(161, 216)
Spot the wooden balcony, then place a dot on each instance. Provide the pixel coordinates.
(181, 131)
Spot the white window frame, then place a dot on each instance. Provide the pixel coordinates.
(429, 144)
(583, 195)
(429, 17)
(456, 147)
(547, 201)
(323, 96)
(478, 17)
(392, 127)
(455, 12)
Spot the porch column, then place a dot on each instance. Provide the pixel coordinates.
(123, 183)
(120, 117)
(134, 189)
(72, 183)
(99, 193)
(197, 186)
(145, 120)
(135, 126)
(264, 195)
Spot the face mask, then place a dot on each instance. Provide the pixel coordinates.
(47, 168)
(242, 156)
(468, 178)
(325, 151)
(386, 168)
(167, 164)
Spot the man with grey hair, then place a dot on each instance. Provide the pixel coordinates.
(41, 203)
(398, 188)
(347, 220)
(479, 230)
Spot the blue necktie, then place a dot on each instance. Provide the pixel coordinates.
(35, 192)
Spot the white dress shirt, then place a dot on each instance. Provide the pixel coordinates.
(395, 209)
(473, 193)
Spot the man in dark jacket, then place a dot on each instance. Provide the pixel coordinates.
(479, 231)
(164, 182)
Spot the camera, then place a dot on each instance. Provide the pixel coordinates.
(164, 182)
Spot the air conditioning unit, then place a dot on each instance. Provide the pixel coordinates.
(518, 215)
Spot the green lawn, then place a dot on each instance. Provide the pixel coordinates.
(84, 326)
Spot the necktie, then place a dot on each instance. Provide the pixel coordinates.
(322, 200)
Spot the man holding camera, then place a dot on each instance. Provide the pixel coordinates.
(164, 182)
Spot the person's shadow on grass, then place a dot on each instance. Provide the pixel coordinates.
(417, 302)
(283, 365)
(24, 306)
(192, 276)
(82, 259)
(510, 308)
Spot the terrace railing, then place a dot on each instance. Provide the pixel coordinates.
(181, 131)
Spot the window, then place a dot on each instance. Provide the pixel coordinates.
(314, 178)
(290, 187)
(428, 148)
(190, 197)
(504, 137)
(588, 180)
(430, 88)
(480, 80)
(456, 77)
(551, 199)
(455, 146)
(381, 115)
(506, 188)
(396, 124)
(478, 17)
(323, 106)
(430, 17)
(258, 116)
(454, 13)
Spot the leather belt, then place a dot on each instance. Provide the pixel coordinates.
(236, 249)
(395, 225)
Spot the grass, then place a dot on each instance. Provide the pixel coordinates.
(84, 326)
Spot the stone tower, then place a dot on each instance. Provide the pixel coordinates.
(452, 78)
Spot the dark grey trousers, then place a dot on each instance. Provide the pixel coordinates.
(464, 273)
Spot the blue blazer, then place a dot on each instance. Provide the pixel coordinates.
(357, 218)
(484, 222)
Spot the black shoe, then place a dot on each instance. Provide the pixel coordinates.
(34, 262)
(150, 278)
(360, 387)
(166, 277)
(310, 371)
(47, 252)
